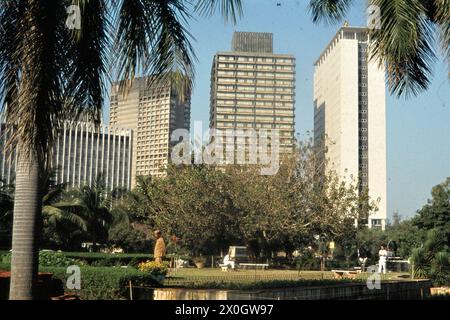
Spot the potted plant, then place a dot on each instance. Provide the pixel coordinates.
(199, 262)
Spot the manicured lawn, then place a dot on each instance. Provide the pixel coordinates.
(207, 275)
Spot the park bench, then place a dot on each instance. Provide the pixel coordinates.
(263, 266)
(341, 274)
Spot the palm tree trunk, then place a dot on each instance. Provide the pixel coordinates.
(25, 247)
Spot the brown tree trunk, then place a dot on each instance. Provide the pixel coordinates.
(25, 247)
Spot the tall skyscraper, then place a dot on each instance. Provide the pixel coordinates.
(252, 87)
(81, 152)
(350, 114)
(153, 110)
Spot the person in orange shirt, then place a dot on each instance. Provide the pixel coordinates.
(160, 247)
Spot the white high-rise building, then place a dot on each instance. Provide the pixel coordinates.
(350, 114)
(81, 152)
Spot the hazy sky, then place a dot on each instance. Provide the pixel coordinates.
(418, 129)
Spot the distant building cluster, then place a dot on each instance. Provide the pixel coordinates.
(251, 88)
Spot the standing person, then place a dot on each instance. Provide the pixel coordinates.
(382, 261)
(160, 247)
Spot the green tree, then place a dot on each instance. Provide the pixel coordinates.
(369, 241)
(406, 236)
(51, 70)
(405, 42)
(62, 226)
(436, 213)
(193, 203)
(432, 259)
(56, 217)
(124, 231)
(210, 209)
(92, 206)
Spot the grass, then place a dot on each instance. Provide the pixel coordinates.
(191, 277)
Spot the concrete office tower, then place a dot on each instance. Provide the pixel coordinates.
(251, 87)
(350, 114)
(80, 153)
(153, 111)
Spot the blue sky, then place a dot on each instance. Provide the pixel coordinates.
(418, 129)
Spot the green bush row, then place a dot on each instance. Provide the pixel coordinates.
(46, 259)
(102, 283)
(106, 283)
(4, 266)
(107, 259)
(63, 259)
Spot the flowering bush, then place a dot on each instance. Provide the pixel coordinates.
(154, 268)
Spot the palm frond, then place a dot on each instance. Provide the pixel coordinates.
(442, 18)
(152, 39)
(119, 217)
(329, 11)
(172, 57)
(405, 44)
(11, 12)
(229, 9)
(60, 214)
(90, 56)
(39, 45)
(132, 38)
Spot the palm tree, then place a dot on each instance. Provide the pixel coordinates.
(92, 204)
(59, 217)
(406, 40)
(51, 70)
(55, 213)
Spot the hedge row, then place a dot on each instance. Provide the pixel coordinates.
(58, 259)
(108, 259)
(102, 283)
(106, 283)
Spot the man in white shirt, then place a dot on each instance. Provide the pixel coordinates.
(382, 261)
(228, 262)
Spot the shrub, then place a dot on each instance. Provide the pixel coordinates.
(307, 261)
(54, 259)
(107, 283)
(129, 239)
(108, 259)
(153, 268)
(5, 258)
(102, 283)
(432, 261)
(47, 259)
